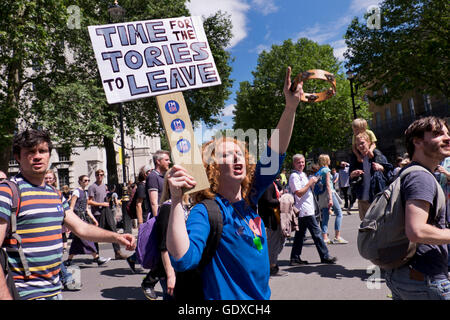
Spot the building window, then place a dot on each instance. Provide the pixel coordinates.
(63, 177)
(412, 112)
(385, 89)
(427, 102)
(399, 110)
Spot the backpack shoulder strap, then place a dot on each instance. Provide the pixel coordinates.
(15, 207)
(215, 232)
(440, 196)
(414, 167)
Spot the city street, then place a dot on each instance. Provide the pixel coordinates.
(352, 278)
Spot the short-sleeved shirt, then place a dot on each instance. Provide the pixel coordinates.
(98, 194)
(238, 270)
(141, 192)
(39, 224)
(154, 182)
(344, 177)
(429, 259)
(323, 177)
(81, 202)
(305, 204)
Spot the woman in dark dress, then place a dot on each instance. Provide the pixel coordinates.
(78, 203)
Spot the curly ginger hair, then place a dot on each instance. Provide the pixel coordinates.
(211, 164)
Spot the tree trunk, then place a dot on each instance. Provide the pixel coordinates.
(111, 164)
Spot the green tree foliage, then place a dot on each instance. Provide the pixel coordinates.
(325, 125)
(31, 52)
(409, 51)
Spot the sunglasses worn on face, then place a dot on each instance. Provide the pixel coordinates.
(100, 175)
(86, 180)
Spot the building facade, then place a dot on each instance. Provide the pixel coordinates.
(69, 165)
(390, 121)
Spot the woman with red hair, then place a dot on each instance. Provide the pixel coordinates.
(239, 268)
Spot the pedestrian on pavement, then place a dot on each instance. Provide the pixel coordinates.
(78, 204)
(113, 199)
(426, 275)
(370, 176)
(344, 185)
(327, 200)
(283, 179)
(42, 213)
(398, 167)
(240, 267)
(301, 187)
(97, 199)
(359, 125)
(65, 190)
(443, 177)
(154, 184)
(142, 204)
(335, 179)
(139, 200)
(51, 180)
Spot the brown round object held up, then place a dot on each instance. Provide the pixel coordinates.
(316, 74)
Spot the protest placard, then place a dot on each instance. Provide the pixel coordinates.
(154, 57)
(159, 58)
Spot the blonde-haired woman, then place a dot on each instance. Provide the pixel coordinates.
(239, 269)
(328, 199)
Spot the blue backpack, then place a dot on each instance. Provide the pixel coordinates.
(319, 187)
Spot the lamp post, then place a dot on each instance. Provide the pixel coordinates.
(116, 14)
(351, 76)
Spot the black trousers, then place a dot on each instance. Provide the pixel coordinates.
(310, 223)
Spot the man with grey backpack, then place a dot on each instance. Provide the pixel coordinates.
(415, 263)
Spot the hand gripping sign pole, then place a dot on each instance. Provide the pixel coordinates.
(180, 134)
(159, 58)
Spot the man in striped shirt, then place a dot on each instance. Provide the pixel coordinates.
(39, 221)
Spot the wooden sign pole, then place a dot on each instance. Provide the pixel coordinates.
(184, 149)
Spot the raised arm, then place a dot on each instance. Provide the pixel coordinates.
(279, 141)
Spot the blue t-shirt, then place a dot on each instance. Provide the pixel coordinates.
(322, 173)
(238, 270)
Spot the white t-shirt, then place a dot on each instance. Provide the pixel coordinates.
(304, 204)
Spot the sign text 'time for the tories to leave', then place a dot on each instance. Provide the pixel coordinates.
(154, 57)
